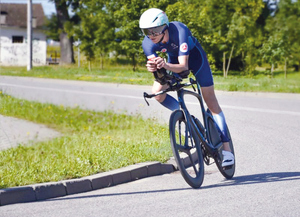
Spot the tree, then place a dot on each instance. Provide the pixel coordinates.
(272, 51)
(242, 33)
(66, 41)
(95, 30)
(105, 34)
(127, 22)
(52, 28)
(285, 27)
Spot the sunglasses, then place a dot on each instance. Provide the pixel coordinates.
(156, 31)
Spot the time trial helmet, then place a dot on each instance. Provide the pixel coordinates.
(153, 22)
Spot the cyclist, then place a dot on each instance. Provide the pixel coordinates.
(184, 53)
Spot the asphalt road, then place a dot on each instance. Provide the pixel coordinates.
(265, 129)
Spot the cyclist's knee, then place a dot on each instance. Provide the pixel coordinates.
(160, 98)
(210, 99)
(155, 89)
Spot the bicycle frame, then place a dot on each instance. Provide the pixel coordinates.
(181, 92)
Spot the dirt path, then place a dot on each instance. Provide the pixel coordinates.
(15, 131)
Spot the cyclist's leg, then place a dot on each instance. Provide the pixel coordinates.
(202, 72)
(165, 99)
(201, 69)
(212, 103)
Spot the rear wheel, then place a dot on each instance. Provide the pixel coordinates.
(186, 149)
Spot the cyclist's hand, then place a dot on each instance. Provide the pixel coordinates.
(151, 65)
(160, 62)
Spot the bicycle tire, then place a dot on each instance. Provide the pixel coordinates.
(186, 149)
(214, 138)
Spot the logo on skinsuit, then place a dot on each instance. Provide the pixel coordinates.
(183, 47)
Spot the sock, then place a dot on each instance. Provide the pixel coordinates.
(222, 126)
(170, 103)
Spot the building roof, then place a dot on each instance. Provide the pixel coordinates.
(16, 14)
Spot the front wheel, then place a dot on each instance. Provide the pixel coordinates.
(186, 149)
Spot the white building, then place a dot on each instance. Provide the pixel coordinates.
(13, 35)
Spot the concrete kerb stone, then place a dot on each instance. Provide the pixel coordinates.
(49, 190)
(75, 186)
(154, 169)
(101, 180)
(17, 195)
(106, 179)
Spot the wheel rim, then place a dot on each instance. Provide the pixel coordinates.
(188, 155)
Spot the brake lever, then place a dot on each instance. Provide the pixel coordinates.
(193, 88)
(192, 81)
(146, 95)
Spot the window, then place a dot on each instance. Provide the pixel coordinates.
(34, 22)
(17, 39)
(3, 15)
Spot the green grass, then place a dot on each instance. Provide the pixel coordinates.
(259, 84)
(92, 142)
(260, 81)
(110, 75)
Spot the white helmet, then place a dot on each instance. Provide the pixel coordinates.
(154, 21)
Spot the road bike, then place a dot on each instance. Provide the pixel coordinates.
(194, 137)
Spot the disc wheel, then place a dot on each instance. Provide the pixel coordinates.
(186, 149)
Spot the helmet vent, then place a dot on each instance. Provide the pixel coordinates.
(154, 19)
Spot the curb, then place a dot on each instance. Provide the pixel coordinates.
(49, 190)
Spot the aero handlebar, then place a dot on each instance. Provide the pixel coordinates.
(172, 87)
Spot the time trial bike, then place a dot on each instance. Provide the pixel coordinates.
(194, 136)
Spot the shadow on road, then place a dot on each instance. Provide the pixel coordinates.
(122, 194)
(258, 178)
(239, 180)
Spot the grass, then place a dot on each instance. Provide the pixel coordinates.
(109, 75)
(259, 84)
(92, 142)
(261, 81)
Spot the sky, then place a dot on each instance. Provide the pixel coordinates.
(48, 6)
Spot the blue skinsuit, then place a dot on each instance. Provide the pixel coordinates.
(181, 42)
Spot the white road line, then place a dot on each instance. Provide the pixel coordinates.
(255, 109)
(71, 91)
(141, 98)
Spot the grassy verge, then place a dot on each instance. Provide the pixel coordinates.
(110, 75)
(261, 81)
(93, 142)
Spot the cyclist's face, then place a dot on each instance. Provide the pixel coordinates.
(156, 38)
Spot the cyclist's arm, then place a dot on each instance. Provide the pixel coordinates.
(183, 64)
